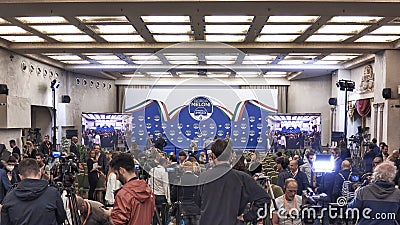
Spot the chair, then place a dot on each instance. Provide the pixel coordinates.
(83, 185)
(274, 180)
(100, 190)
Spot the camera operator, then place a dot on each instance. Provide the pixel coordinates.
(345, 175)
(33, 201)
(64, 171)
(380, 197)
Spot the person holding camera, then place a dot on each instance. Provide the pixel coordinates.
(33, 201)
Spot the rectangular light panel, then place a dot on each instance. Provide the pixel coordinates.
(166, 19)
(276, 38)
(292, 19)
(123, 38)
(354, 19)
(23, 38)
(12, 30)
(42, 19)
(170, 29)
(103, 19)
(65, 57)
(73, 38)
(375, 38)
(341, 29)
(229, 19)
(113, 29)
(76, 62)
(112, 62)
(387, 30)
(57, 29)
(173, 38)
(225, 38)
(327, 38)
(227, 29)
(284, 29)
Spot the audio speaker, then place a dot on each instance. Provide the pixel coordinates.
(332, 101)
(387, 93)
(3, 89)
(65, 99)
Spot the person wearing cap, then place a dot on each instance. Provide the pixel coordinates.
(224, 193)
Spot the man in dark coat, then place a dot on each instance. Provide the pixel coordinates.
(74, 148)
(46, 147)
(223, 193)
(299, 176)
(187, 190)
(33, 202)
(160, 142)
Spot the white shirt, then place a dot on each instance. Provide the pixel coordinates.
(112, 185)
(97, 140)
(284, 209)
(158, 182)
(283, 140)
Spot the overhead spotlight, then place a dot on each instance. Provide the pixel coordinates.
(54, 84)
(348, 85)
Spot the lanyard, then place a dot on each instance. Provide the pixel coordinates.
(289, 208)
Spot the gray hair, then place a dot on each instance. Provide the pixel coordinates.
(385, 171)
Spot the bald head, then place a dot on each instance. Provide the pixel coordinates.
(294, 165)
(346, 165)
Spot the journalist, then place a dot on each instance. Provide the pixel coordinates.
(380, 198)
(33, 201)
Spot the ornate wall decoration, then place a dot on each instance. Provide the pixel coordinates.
(367, 81)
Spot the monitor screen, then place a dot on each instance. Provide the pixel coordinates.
(324, 163)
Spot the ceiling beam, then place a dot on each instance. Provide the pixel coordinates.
(85, 29)
(141, 28)
(369, 29)
(206, 47)
(255, 28)
(30, 29)
(313, 28)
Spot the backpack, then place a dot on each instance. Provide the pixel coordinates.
(347, 188)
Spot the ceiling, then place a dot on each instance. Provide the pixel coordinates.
(156, 38)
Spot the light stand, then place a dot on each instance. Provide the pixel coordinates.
(347, 86)
(54, 84)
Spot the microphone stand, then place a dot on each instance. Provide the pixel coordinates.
(272, 193)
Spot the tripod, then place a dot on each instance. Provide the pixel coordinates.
(72, 205)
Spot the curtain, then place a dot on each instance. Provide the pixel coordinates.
(282, 94)
(363, 107)
(121, 89)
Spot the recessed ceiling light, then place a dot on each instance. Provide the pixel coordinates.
(113, 29)
(133, 75)
(3, 21)
(229, 19)
(327, 62)
(256, 62)
(220, 62)
(165, 19)
(339, 57)
(149, 62)
(327, 38)
(173, 38)
(143, 57)
(123, 38)
(112, 62)
(181, 57)
(12, 30)
(293, 62)
(276, 38)
(170, 29)
(387, 30)
(221, 57)
(76, 62)
(183, 62)
(375, 38)
(259, 57)
(23, 38)
(73, 38)
(218, 74)
(225, 38)
(292, 19)
(227, 29)
(103, 57)
(284, 29)
(65, 57)
(103, 19)
(42, 19)
(341, 29)
(248, 74)
(57, 29)
(355, 19)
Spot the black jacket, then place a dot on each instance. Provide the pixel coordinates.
(187, 191)
(33, 202)
(160, 143)
(46, 149)
(74, 149)
(224, 194)
(302, 182)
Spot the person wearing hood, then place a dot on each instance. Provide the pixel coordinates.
(134, 203)
(380, 197)
(33, 201)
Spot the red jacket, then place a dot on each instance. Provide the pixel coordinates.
(134, 204)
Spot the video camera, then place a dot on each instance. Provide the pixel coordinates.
(64, 171)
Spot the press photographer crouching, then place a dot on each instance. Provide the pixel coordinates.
(378, 202)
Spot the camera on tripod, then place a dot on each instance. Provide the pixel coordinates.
(64, 172)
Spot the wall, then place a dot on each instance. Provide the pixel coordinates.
(32, 88)
(311, 96)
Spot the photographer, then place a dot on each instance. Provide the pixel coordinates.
(341, 180)
(33, 202)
